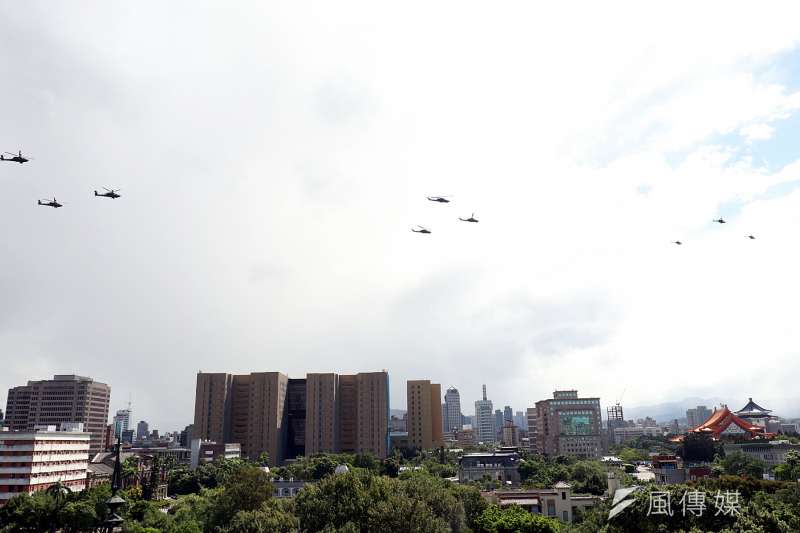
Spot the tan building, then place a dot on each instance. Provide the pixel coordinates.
(267, 411)
(211, 403)
(424, 401)
(372, 414)
(247, 409)
(63, 399)
(321, 413)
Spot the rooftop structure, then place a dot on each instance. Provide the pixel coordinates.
(556, 502)
(755, 414)
(497, 466)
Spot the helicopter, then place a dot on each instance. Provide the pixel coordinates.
(470, 219)
(719, 220)
(751, 237)
(15, 158)
(422, 229)
(50, 203)
(440, 199)
(677, 242)
(112, 193)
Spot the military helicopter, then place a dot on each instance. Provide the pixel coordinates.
(751, 237)
(719, 220)
(677, 242)
(470, 219)
(50, 203)
(15, 158)
(440, 199)
(112, 193)
(422, 229)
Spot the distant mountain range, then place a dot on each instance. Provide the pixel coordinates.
(669, 411)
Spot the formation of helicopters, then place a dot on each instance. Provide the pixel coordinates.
(19, 158)
(114, 193)
(445, 200)
(441, 200)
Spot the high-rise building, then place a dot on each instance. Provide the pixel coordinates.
(268, 412)
(35, 460)
(63, 399)
(698, 415)
(185, 438)
(424, 414)
(530, 414)
(452, 402)
(498, 423)
(212, 406)
(508, 414)
(521, 421)
(322, 416)
(122, 421)
(484, 420)
(296, 418)
(371, 418)
(510, 434)
(569, 425)
(142, 430)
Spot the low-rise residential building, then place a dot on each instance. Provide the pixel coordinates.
(494, 466)
(557, 502)
(772, 452)
(287, 488)
(624, 434)
(668, 469)
(207, 451)
(31, 461)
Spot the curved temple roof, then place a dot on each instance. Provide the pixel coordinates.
(721, 419)
(752, 408)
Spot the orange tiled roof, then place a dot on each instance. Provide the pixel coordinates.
(721, 419)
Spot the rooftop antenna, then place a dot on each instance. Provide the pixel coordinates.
(484, 392)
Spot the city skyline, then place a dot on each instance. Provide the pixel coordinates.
(271, 165)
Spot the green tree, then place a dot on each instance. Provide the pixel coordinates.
(697, 447)
(470, 497)
(790, 469)
(268, 518)
(740, 464)
(514, 519)
(246, 489)
(78, 516)
(632, 455)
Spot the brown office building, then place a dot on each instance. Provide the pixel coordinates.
(61, 399)
(424, 414)
(322, 416)
(287, 418)
(569, 425)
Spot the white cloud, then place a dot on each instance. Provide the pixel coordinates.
(757, 132)
(274, 158)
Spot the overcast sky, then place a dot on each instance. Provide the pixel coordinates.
(273, 158)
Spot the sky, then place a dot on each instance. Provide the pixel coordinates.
(273, 157)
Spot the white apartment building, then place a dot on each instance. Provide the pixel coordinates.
(31, 461)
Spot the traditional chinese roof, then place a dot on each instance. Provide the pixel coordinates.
(753, 409)
(721, 419)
